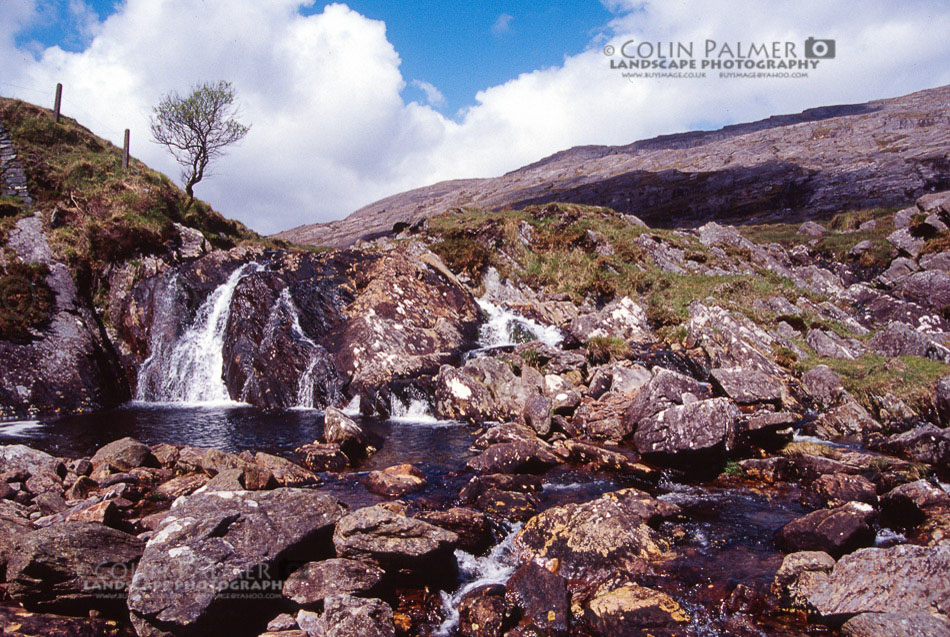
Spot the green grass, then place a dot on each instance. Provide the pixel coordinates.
(911, 378)
(603, 349)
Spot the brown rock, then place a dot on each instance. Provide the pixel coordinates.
(314, 581)
(396, 481)
(835, 531)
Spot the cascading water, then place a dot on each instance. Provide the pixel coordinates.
(305, 386)
(494, 568)
(191, 369)
(506, 327)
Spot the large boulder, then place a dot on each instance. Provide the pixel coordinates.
(471, 526)
(835, 531)
(930, 289)
(123, 455)
(665, 389)
(30, 461)
(215, 542)
(796, 575)
(342, 430)
(540, 598)
(747, 387)
(314, 581)
(823, 386)
(459, 396)
(72, 567)
(837, 489)
(911, 624)
(396, 481)
(520, 456)
(903, 578)
(632, 609)
(598, 537)
(394, 540)
(926, 443)
(483, 612)
(703, 426)
(622, 319)
(731, 340)
(347, 616)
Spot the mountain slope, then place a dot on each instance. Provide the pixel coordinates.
(801, 166)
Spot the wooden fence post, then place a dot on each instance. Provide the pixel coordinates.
(58, 103)
(125, 151)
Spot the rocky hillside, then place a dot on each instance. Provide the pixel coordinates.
(789, 167)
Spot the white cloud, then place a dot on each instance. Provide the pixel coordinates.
(433, 95)
(332, 132)
(502, 24)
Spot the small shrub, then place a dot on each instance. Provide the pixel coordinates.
(603, 349)
(463, 253)
(532, 358)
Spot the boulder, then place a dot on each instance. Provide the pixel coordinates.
(515, 457)
(313, 582)
(537, 413)
(908, 505)
(213, 542)
(904, 578)
(837, 489)
(30, 461)
(899, 339)
(911, 624)
(182, 485)
(847, 420)
(904, 240)
(395, 541)
(72, 567)
(926, 443)
(747, 387)
(319, 457)
(285, 472)
(703, 426)
(665, 389)
(731, 340)
(396, 481)
(508, 505)
(811, 229)
(827, 344)
(604, 535)
(342, 430)
(623, 319)
(347, 616)
(482, 611)
(124, 455)
(835, 531)
(930, 289)
(633, 609)
(458, 396)
(823, 386)
(541, 599)
(797, 575)
(471, 526)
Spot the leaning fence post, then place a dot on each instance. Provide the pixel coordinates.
(58, 103)
(125, 151)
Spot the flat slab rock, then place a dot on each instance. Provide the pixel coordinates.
(904, 578)
(209, 541)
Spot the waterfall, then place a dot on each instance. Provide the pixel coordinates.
(192, 369)
(305, 386)
(506, 327)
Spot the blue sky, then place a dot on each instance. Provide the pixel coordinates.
(355, 101)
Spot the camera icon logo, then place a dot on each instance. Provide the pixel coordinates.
(819, 49)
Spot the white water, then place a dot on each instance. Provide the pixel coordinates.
(416, 411)
(506, 327)
(305, 386)
(494, 568)
(193, 371)
(20, 427)
(353, 408)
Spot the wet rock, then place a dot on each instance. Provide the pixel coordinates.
(320, 457)
(341, 430)
(216, 540)
(837, 489)
(704, 426)
(908, 505)
(602, 459)
(622, 319)
(537, 414)
(508, 505)
(396, 481)
(285, 472)
(478, 485)
(394, 540)
(314, 581)
(848, 420)
(505, 432)
(17, 622)
(346, 616)
(124, 455)
(630, 609)
(912, 624)
(601, 536)
(514, 457)
(541, 599)
(926, 443)
(482, 612)
(471, 526)
(72, 567)
(835, 531)
(747, 387)
(903, 578)
(768, 470)
(798, 574)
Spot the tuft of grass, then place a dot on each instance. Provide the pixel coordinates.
(26, 301)
(603, 349)
(733, 468)
(532, 358)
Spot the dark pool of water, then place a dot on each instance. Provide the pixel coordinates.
(238, 428)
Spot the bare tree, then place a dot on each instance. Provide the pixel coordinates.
(196, 128)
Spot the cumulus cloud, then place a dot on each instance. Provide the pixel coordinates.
(332, 131)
